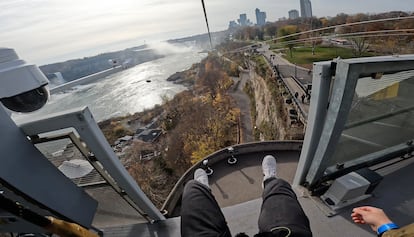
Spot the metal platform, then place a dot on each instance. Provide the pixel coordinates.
(396, 200)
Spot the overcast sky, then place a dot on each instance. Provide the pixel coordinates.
(45, 31)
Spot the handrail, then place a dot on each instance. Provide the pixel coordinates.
(302, 113)
(376, 118)
(299, 83)
(281, 76)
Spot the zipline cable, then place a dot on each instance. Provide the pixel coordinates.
(208, 28)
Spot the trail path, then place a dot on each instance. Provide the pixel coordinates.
(243, 102)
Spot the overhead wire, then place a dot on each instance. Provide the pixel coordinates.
(342, 25)
(348, 35)
(362, 34)
(208, 28)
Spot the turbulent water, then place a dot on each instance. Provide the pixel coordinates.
(127, 91)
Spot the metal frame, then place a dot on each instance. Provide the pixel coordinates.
(321, 85)
(83, 150)
(400, 150)
(84, 124)
(95, 164)
(28, 174)
(319, 147)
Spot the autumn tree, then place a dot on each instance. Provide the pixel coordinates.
(203, 120)
(339, 19)
(396, 42)
(324, 21)
(154, 177)
(270, 30)
(286, 32)
(360, 44)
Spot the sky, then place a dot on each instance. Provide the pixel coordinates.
(47, 31)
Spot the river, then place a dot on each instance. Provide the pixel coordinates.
(126, 92)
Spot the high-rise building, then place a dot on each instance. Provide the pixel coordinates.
(305, 8)
(233, 24)
(260, 17)
(243, 20)
(293, 14)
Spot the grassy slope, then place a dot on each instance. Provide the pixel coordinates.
(303, 55)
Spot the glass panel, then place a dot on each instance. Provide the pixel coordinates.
(381, 116)
(53, 150)
(112, 210)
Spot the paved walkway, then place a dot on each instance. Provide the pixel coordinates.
(288, 71)
(243, 103)
(287, 68)
(294, 87)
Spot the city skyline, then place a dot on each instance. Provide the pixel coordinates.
(45, 31)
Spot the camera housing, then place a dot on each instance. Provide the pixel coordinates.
(22, 85)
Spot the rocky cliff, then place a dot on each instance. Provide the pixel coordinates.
(269, 120)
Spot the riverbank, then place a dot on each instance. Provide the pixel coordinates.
(193, 124)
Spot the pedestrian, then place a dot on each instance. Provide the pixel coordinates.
(308, 96)
(296, 95)
(380, 222)
(280, 215)
(303, 98)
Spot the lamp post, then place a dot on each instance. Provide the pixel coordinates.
(296, 71)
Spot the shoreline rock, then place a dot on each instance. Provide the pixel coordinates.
(185, 77)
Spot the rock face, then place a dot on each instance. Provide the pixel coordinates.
(185, 77)
(268, 117)
(176, 76)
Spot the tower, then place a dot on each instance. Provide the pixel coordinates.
(260, 17)
(305, 8)
(243, 19)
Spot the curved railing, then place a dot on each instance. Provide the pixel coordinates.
(175, 195)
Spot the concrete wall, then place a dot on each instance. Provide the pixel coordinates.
(85, 80)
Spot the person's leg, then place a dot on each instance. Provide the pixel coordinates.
(280, 211)
(200, 213)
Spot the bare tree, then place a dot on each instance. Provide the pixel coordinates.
(360, 46)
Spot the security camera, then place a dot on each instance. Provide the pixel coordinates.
(22, 85)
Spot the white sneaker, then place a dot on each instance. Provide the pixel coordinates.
(200, 175)
(269, 167)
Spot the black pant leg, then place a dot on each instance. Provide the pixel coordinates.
(281, 211)
(201, 216)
